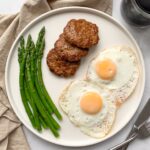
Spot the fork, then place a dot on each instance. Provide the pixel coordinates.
(142, 131)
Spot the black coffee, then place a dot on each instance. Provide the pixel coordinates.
(136, 12)
(144, 4)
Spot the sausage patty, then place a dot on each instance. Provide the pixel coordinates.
(68, 51)
(81, 33)
(61, 67)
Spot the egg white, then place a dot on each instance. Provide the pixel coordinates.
(127, 74)
(95, 125)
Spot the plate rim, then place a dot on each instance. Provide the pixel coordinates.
(66, 9)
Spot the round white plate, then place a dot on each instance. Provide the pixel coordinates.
(111, 33)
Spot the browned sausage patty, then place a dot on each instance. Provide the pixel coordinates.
(81, 33)
(61, 67)
(69, 52)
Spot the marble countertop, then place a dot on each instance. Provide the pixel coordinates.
(142, 36)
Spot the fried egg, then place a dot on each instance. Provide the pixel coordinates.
(116, 69)
(90, 107)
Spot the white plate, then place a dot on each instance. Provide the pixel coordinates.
(111, 33)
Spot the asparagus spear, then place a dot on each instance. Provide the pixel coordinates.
(52, 124)
(33, 74)
(34, 109)
(22, 61)
(34, 78)
(40, 44)
(30, 94)
(43, 123)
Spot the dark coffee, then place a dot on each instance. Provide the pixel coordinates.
(136, 12)
(144, 4)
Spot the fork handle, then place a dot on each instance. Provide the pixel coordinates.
(129, 136)
(124, 143)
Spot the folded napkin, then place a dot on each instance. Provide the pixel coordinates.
(11, 133)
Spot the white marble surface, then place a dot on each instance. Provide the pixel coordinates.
(143, 38)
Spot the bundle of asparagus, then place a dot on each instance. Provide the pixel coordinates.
(36, 100)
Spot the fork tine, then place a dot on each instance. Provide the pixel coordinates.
(146, 129)
(147, 125)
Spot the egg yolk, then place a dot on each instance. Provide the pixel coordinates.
(106, 69)
(91, 103)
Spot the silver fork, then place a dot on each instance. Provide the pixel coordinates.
(142, 131)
